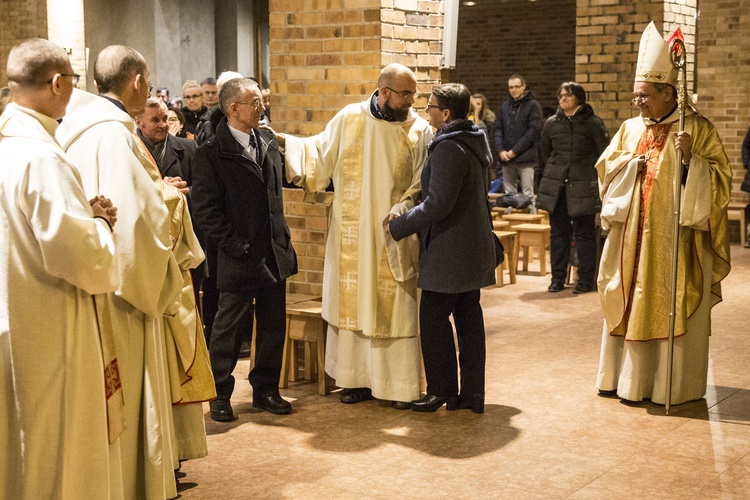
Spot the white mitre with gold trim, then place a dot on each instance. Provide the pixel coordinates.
(654, 60)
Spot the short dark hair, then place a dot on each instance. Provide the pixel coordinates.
(231, 91)
(115, 66)
(454, 97)
(518, 77)
(574, 88)
(162, 88)
(208, 81)
(31, 63)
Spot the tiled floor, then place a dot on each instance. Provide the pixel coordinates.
(545, 434)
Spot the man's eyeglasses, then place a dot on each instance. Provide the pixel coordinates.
(405, 94)
(256, 103)
(638, 100)
(75, 78)
(194, 96)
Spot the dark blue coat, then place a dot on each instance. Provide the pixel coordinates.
(238, 203)
(518, 126)
(457, 253)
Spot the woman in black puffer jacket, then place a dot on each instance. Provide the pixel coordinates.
(572, 140)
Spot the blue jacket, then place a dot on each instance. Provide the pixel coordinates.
(457, 253)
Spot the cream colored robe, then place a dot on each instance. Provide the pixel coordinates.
(634, 350)
(53, 417)
(190, 377)
(370, 294)
(100, 139)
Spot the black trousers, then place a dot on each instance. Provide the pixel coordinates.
(210, 304)
(439, 349)
(563, 227)
(234, 318)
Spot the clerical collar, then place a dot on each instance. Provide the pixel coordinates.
(376, 111)
(652, 121)
(116, 103)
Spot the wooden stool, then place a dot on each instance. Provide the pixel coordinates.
(515, 219)
(533, 236)
(508, 239)
(500, 225)
(304, 323)
(736, 211)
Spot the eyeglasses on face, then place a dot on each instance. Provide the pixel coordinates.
(564, 96)
(256, 103)
(640, 99)
(427, 108)
(193, 96)
(405, 94)
(75, 78)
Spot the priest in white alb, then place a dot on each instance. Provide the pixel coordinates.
(61, 402)
(373, 151)
(98, 133)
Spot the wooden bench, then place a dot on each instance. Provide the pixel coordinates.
(736, 211)
(533, 236)
(515, 219)
(508, 239)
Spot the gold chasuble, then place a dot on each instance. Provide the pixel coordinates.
(636, 266)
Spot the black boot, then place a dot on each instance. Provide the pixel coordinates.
(431, 403)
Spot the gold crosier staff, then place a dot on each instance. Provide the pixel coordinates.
(679, 60)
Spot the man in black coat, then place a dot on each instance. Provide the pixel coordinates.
(457, 255)
(518, 127)
(237, 200)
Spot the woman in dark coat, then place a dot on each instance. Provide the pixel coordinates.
(457, 255)
(572, 140)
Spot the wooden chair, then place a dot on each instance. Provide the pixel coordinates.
(736, 211)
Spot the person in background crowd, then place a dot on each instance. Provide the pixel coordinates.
(746, 181)
(193, 109)
(572, 140)
(57, 418)
(163, 94)
(98, 134)
(210, 120)
(210, 93)
(636, 174)
(237, 199)
(267, 103)
(457, 253)
(176, 103)
(176, 123)
(482, 115)
(517, 129)
(373, 151)
(5, 98)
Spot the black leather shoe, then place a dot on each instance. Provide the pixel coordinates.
(356, 395)
(244, 350)
(430, 403)
(556, 286)
(582, 287)
(273, 404)
(221, 410)
(475, 403)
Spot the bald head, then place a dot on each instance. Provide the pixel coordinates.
(32, 63)
(393, 73)
(115, 67)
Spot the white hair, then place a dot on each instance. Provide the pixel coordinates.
(226, 76)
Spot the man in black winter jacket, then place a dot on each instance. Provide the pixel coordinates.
(237, 195)
(518, 127)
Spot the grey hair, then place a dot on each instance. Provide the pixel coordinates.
(225, 76)
(232, 90)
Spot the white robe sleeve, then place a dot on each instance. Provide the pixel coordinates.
(696, 195)
(74, 246)
(310, 161)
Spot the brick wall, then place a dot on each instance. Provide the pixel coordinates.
(724, 77)
(20, 19)
(497, 38)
